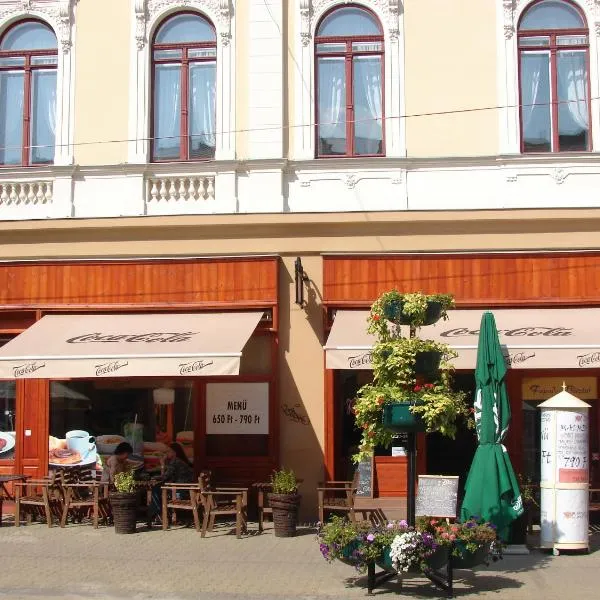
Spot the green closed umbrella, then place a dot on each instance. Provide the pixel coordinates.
(491, 491)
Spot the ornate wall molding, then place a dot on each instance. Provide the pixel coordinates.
(58, 13)
(513, 8)
(147, 12)
(312, 10)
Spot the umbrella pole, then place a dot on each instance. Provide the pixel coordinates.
(412, 468)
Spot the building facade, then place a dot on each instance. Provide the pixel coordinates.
(418, 144)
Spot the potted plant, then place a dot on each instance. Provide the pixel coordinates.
(124, 503)
(415, 309)
(471, 543)
(284, 500)
(412, 381)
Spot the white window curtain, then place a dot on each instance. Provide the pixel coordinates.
(167, 111)
(535, 98)
(43, 110)
(202, 109)
(11, 117)
(572, 92)
(368, 130)
(332, 109)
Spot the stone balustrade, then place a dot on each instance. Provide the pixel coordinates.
(25, 193)
(180, 188)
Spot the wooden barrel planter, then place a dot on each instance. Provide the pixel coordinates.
(124, 511)
(398, 417)
(285, 513)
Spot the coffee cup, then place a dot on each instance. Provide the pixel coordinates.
(80, 441)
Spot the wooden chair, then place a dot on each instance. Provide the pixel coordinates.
(262, 502)
(80, 499)
(37, 497)
(337, 496)
(221, 503)
(172, 499)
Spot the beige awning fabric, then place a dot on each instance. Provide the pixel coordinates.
(552, 338)
(129, 345)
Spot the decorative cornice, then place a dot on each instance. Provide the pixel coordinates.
(513, 8)
(390, 10)
(147, 11)
(58, 13)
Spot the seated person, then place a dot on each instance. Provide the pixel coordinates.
(117, 463)
(175, 468)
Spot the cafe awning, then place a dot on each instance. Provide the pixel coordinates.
(552, 338)
(129, 345)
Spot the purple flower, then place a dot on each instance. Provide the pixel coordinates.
(390, 526)
(492, 525)
(370, 538)
(470, 525)
(403, 523)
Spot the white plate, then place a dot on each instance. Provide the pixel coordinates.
(10, 442)
(88, 460)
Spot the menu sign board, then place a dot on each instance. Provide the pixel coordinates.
(437, 496)
(364, 486)
(237, 408)
(571, 447)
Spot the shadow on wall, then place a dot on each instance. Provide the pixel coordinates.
(301, 387)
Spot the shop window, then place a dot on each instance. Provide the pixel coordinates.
(184, 79)
(349, 80)
(554, 78)
(28, 63)
(149, 415)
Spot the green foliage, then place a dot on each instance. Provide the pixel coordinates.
(471, 535)
(125, 482)
(413, 308)
(528, 490)
(395, 379)
(284, 482)
(357, 542)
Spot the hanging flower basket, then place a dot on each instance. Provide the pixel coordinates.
(427, 362)
(415, 309)
(398, 417)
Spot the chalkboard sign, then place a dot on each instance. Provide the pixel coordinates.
(364, 487)
(437, 496)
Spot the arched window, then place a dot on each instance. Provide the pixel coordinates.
(28, 59)
(554, 78)
(184, 79)
(349, 82)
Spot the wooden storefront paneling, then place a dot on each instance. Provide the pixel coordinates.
(475, 280)
(222, 281)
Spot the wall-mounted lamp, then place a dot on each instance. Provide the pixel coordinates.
(300, 277)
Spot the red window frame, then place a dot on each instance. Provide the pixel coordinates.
(184, 62)
(552, 48)
(28, 69)
(349, 54)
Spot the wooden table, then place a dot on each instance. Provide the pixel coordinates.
(4, 493)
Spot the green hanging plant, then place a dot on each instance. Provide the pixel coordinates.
(393, 309)
(396, 378)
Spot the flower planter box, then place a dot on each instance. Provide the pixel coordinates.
(392, 311)
(468, 560)
(399, 417)
(348, 557)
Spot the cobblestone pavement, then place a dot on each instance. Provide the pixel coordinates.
(39, 563)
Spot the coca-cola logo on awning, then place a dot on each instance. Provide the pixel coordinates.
(516, 332)
(591, 358)
(194, 366)
(148, 338)
(354, 362)
(27, 369)
(110, 367)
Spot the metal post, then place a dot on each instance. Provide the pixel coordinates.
(412, 469)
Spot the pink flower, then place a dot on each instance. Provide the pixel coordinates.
(376, 317)
(417, 388)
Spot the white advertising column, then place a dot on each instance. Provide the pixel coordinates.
(564, 473)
